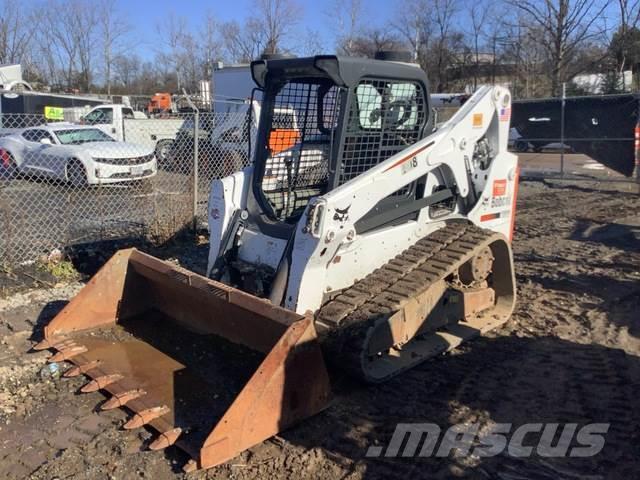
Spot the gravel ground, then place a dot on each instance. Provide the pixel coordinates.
(39, 215)
(571, 353)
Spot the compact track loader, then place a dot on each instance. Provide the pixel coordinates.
(362, 236)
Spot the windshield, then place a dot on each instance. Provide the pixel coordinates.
(84, 135)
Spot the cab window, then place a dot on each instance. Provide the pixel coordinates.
(401, 110)
(36, 135)
(385, 117)
(369, 106)
(99, 115)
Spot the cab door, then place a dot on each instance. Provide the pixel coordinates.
(40, 156)
(104, 119)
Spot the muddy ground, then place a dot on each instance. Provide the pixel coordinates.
(570, 354)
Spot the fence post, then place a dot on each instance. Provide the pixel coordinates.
(196, 141)
(636, 152)
(196, 131)
(562, 105)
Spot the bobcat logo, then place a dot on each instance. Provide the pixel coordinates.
(342, 215)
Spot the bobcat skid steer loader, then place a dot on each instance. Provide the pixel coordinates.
(369, 240)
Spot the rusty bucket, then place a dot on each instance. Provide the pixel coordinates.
(212, 369)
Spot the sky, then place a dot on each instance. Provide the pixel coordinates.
(144, 15)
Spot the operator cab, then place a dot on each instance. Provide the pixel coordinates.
(349, 114)
(324, 120)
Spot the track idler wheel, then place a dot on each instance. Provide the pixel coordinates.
(477, 269)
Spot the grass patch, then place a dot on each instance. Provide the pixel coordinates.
(62, 270)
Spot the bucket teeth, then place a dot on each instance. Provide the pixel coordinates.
(145, 416)
(100, 382)
(190, 466)
(48, 343)
(67, 353)
(121, 399)
(166, 439)
(80, 369)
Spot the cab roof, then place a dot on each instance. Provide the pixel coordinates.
(344, 71)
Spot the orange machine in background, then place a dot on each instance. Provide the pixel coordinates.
(160, 102)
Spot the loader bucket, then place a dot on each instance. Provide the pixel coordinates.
(210, 368)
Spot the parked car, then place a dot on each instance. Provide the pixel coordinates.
(77, 154)
(180, 156)
(521, 145)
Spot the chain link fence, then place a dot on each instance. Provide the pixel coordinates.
(64, 184)
(576, 138)
(76, 181)
(588, 137)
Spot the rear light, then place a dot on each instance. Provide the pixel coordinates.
(513, 203)
(4, 157)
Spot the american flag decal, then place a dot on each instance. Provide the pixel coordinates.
(505, 114)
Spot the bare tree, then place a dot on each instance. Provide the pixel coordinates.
(242, 43)
(566, 26)
(84, 22)
(190, 53)
(414, 23)
(428, 27)
(57, 40)
(210, 45)
(478, 21)
(67, 41)
(172, 32)
(629, 11)
(443, 15)
(16, 32)
(46, 54)
(312, 45)
(126, 70)
(375, 40)
(624, 43)
(518, 54)
(276, 20)
(266, 31)
(346, 19)
(113, 31)
(190, 62)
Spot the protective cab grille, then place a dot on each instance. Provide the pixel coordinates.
(303, 116)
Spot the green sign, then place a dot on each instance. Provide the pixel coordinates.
(54, 113)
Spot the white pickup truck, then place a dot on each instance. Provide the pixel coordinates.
(122, 123)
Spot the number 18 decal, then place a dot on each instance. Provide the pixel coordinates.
(411, 164)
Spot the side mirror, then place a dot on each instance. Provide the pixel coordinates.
(45, 141)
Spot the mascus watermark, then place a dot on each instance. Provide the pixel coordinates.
(542, 439)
